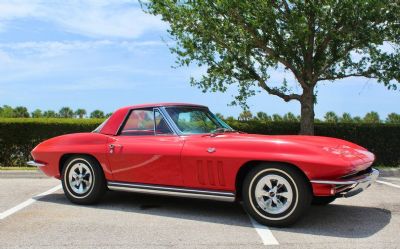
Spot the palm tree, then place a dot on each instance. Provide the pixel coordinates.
(277, 118)
(80, 113)
(346, 118)
(331, 117)
(21, 112)
(262, 116)
(50, 114)
(37, 113)
(66, 112)
(372, 118)
(290, 117)
(246, 115)
(97, 114)
(393, 118)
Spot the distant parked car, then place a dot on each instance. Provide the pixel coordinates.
(185, 150)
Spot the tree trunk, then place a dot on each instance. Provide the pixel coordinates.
(307, 112)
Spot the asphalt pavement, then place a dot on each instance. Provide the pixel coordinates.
(34, 213)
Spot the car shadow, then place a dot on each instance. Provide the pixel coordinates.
(332, 220)
(336, 220)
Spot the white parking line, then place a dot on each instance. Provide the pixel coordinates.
(263, 231)
(27, 202)
(389, 184)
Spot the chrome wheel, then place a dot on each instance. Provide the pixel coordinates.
(273, 194)
(80, 178)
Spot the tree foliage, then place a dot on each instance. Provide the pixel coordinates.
(97, 114)
(372, 117)
(37, 113)
(66, 112)
(80, 113)
(239, 42)
(393, 118)
(331, 117)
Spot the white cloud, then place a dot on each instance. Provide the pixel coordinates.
(56, 48)
(113, 19)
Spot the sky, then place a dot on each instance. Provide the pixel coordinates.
(106, 54)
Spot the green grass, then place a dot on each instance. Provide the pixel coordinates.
(18, 168)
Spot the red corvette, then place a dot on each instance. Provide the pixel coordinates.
(185, 150)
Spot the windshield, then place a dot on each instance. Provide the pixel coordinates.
(196, 120)
(98, 129)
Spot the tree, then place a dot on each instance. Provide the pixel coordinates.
(219, 115)
(393, 118)
(372, 117)
(109, 114)
(66, 112)
(80, 113)
(7, 112)
(37, 113)
(97, 114)
(357, 119)
(346, 118)
(246, 115)
(239, 42)
(230, 118)
(50, 114)
(290, 117)
(277, 118)
(262, 116)
(331, 117)
(21, 112)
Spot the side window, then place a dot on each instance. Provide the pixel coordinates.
(161, 125)
(139, 123)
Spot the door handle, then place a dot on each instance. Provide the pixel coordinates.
(112, 147)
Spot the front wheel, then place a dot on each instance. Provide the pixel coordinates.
(276, 195)
(83, 180)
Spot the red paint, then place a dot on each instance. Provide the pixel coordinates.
(184, 160)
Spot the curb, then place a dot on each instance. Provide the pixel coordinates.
(10, 174)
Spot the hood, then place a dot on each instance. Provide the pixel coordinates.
(313, 144)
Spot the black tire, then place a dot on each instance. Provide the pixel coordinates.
(94, 190)
(298, 186)
(322, 200)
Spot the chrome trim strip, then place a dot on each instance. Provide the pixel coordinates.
(166, 118)
(172, 191)
(35, 164)
(367, 177)
(334, 182)
(169, 120)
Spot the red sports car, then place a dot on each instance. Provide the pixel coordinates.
(185, 150)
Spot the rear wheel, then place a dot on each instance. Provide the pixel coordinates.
(275, 194)
(83, 180)
(322, 200)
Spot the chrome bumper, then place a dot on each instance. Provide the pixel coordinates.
(35, 164)
(351, 187)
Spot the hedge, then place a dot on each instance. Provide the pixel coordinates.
(19, 136)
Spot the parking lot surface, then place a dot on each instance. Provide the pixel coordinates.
(127, 220)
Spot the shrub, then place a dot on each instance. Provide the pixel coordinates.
(19, 136)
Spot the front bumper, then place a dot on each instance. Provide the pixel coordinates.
(352, 186)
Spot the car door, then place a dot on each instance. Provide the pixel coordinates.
(146, 150)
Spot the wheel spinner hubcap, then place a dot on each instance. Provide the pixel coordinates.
(80, 178)
(273, 194)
